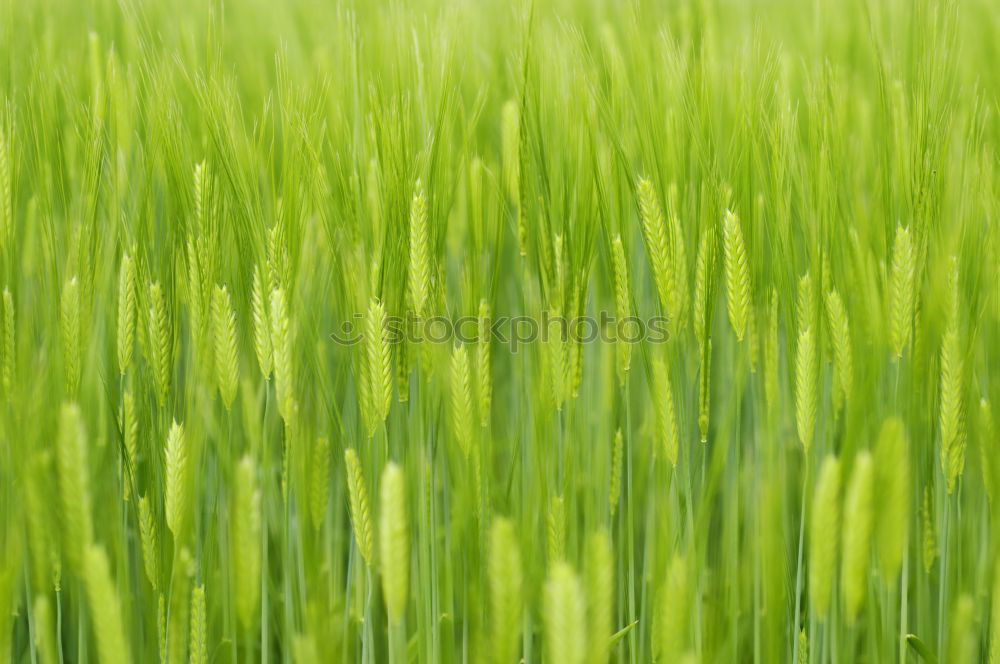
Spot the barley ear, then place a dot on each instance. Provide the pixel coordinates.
(319, 481)
(705, 390)
(988, 448)
(623, 347)
(616, 473)
(261, 323)
(841, 332)
(45, 642)
(6, 188)
(654, 231)
(901, 291)
(892, 495)
(995, 616)
(930, 548)
(824, 533)
(859, 513)
(394, 542)
(737, 274)
(377, 369)
(161, 344)
(666, 418)
(126, 313)
(105, 608)
(177, 456)
(130, 438)
(704, 264)
(74, 484)
(69, 332)
(963, 642)
(246, 540)
(599, 579)
(281, 347)
(150, 542)
(505, 585)
(198, 641)
(952, 411)
(771, 350)
(484, 380)
(805, 386)
(357, 494)
(461, 400)
(671, 615)
(419, 268)
(563, 616)
(555, 530)
(224, 332)
(7, 346)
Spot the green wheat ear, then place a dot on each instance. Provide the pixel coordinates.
(130, 439)
(771, 355)
(7, 346)
(892, 495)
(901, 291)
(841, 332)
(461, 400)
(963, 637)
(177, 456)
(995, 615)
(564, 616)
(160, 342)
(704, 264)
(246, 541)
(394, 542)
(112, 645)
(198, 641)
(69, 332)
(622, 308)
(824, 531)
(224, 333)
(45, 641)
(737, 274)
(859, 513)
(654, 231)
(357, 494)
(930, 548)
(261, 322)
(506, 600)
(556, 530)
(805, 386)
(74, 484)
(150, 542)
(952, 414)
(281, 347)
(988, 448)
(671, 613)
(666, 418)
(484, 380)
(319, 481)
(419, 268)
(599, 579)
(126, 313)
(376, 382)
(615, 490)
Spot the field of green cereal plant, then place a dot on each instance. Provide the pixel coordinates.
(538, 331)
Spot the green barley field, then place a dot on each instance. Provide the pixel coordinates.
(499, 331)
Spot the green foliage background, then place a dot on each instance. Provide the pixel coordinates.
(809, 191)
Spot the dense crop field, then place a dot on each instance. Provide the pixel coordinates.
(552, 331)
